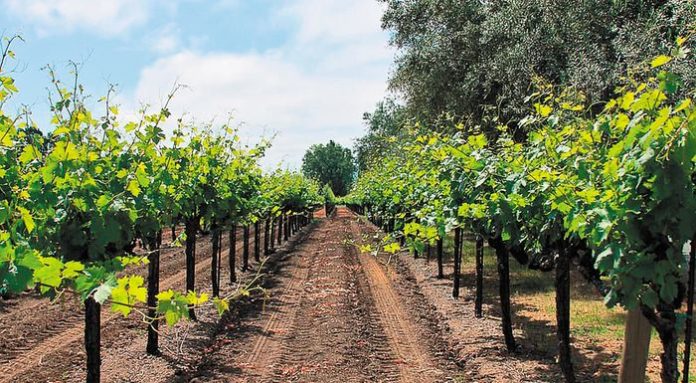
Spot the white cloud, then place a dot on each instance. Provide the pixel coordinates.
(314, 88)
(165, 40)
(334, 21)
(105, 17)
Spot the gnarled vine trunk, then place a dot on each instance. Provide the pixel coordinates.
(478, 303)
(266, 244)
(689, 311)
(257, 242)
(664, 319)
(503, 259)
(153, 246)
(440, 271)
(191, 227)
(93, 339)
(562, 284)
(214, 262)
(233, 254)
(457, 261)
(245, 248)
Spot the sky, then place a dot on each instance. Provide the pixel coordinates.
(301, 71)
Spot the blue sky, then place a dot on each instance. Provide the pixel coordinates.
(304, 70)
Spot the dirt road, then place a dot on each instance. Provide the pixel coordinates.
(330, 314)
(334, 316)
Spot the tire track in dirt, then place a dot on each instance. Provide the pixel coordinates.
(413, 359)
(336, 337)
(24, 307)
(26, 332)
(333, 316)
(280, 320)
(267, 344)
(71, 330)
(321, 330)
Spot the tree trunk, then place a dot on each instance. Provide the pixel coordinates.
(191, 228)
(257, 242)
(440, 271)
(152, 347)
(92, 339)
(562, 282)
(670, 368)
(689, 312)
(457, 261)
(665, 322)
(280, 229)
(245, 249)
(478, 303)
(214, 262)
(233, 254)
(503, 260)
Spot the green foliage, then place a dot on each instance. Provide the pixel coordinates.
(477, 60)
(383, 127)
(620, 183)
(74, 202)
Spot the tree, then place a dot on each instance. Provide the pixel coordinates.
(478, 60)
(330, 164)
(385, 122)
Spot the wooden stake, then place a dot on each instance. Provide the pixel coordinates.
(636, 345)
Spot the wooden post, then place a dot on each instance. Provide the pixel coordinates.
(286, 231)
(152, 346)
(562, 284)
(503, 259)
(233, 254)
(257, 242)
(245, 249)
(266, 244)
(440, 271)
(191, 228)
(689, 311)
(457, 261)
(214, 262)
(636, 347)
(92, 339)
(478, 303)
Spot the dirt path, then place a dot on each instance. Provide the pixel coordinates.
(403, 335)
(333, 316)
(330, 314)
(48, 345)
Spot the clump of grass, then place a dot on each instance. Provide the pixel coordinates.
(593, 325)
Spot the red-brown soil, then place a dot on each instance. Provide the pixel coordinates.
(333, 316)
(329, 314)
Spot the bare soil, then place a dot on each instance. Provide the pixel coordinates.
(41, 341)
(333, 316)
(329, 314)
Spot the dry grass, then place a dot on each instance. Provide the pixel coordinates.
(597, 332)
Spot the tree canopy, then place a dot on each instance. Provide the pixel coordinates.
(330, 164)
(479, 60)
